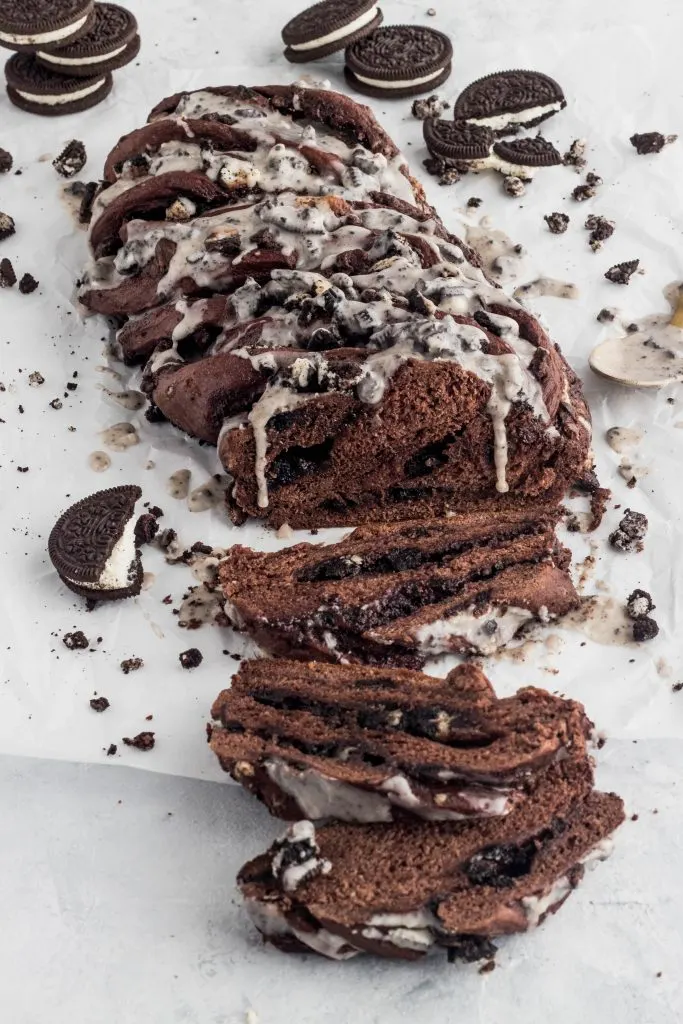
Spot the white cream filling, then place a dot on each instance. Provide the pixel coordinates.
(360, 22)
(519, 117)
(115, 575)
(494, 162)
(55, 58)
(270, 921)
(56, 99)
(536, 906)
(44, 37)
(437, 637)
(381, 83)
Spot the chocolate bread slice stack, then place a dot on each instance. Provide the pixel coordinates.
(398, 890)
(364, 745)
(396, 594)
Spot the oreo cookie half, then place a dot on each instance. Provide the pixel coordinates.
(43, 23)
(327, 27)
(92, 545)
(536, 152)
(457, 140)
(398, 61)
(111, 43)
(509, 100)
(39, 91)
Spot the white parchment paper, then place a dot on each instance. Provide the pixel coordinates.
(619, 64)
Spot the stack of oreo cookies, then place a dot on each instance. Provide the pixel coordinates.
(66, 51)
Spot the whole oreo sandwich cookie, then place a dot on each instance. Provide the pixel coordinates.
(398, 61)
(509, 100)
(92, 545)
(327, 27)
(39, 91)
(32, 24)
(112, 42)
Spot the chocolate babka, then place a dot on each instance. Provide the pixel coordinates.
(296, 301)
(359, 744)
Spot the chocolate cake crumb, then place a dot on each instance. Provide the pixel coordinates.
(433, 106)
(621, 273)
(8, 278)
(600, 230)
(143, 741)
(650, 142)
(7, 226)
(131, 665)
(27, 285)
(76, 641)
(513, 186)
(630, 533)
(6, 161)
(99, 703)
(474, 202)
(605, 316)
(191, 658)
(574, 157)
(487, 967)
(87, 200)
(645, 629)
(111, 749)
(71, 160)
(146, 529)
(557, 222)
(639, 604)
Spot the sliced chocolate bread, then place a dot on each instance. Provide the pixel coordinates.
(397, 890)
(361, 744)
(396, 594)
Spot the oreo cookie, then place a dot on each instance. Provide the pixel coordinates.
(536, 152)
(92, 545)
(398, 61)
(39, 91)
(112, 42)
(327, 27)
(27, 25)
(509, 100)
(457, 140)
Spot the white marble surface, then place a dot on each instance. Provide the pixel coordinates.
(95, 890)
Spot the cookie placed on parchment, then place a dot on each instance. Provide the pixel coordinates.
(92, 545)
(509, 100)
(398, 61)
(29, 24)
(327, 27)
(39, 91)
(111, 42)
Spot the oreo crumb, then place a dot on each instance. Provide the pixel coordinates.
(27, 285)
(583, 192)
(644, 629)
(574, 157)
(111, 749)
(451, 176)
(55, 403)
(71, 160)
(474, 202)
(639, 604)
(143, 741)
(630, 533)
(645, 143)
(600, 230)
(593, 180)
(621, 273)
(677, 687)
(487, 967)
(191, 658)
(35, 379)
(433, 106)
(131, 665)
(6, 161)
(8, 278)
(146, 529)
(99, 703)
(513, 186)
(557, 222)
(166, 538)
(76, 641)
(605, 316)
(71, 385)
(7, 226)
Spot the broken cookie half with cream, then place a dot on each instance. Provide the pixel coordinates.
(374, 745)
(399, 890)
(92, 545)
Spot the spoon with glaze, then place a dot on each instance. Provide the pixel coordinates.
(647, 358)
